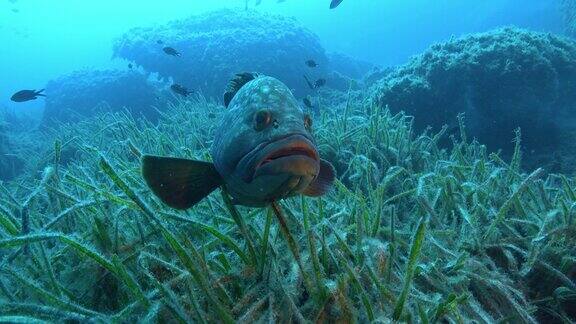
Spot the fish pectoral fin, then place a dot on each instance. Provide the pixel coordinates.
(323, 181)
(180, 183)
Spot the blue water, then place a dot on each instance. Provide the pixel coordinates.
(45, 39)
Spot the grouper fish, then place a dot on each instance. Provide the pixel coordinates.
(263, 151)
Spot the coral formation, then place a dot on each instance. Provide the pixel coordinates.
(82, 94)
(219, 44)
(502, 80)
(421, 234)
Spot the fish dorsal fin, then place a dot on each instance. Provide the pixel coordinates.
(236, 83)
(179, 183)
(323, 181)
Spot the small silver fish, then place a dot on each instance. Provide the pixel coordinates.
(263, 151)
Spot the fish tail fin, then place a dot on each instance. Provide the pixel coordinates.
(180, 183)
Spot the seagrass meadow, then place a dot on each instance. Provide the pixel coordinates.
(412, 231)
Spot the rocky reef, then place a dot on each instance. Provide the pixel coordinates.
(81, 94)
(216, 45)
(502, 80)
(208, 50)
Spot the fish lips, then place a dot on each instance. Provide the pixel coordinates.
(294, 155)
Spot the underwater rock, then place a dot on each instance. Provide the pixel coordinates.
(502, 80)
(349, 66)
(341, 82)
(81, 94)
(375, 75)
(217, 45)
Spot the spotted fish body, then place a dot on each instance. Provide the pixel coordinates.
(263, 151)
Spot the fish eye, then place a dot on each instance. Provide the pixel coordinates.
(308, 122)
(262, 119)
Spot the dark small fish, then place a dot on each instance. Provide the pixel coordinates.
(170, 51)
(307, 102)
(311, 63)
(27, 95)
(181, 90)
(159, 42)
(319, 83)
(211, 115)
(15, 10)
(130, 66)
(310, 85)
(335, 3)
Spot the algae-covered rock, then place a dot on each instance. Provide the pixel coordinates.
(81, 94)
(502, 80)
(217, 45)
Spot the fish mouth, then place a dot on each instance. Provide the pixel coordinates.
(305, 151)
(292, 154)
